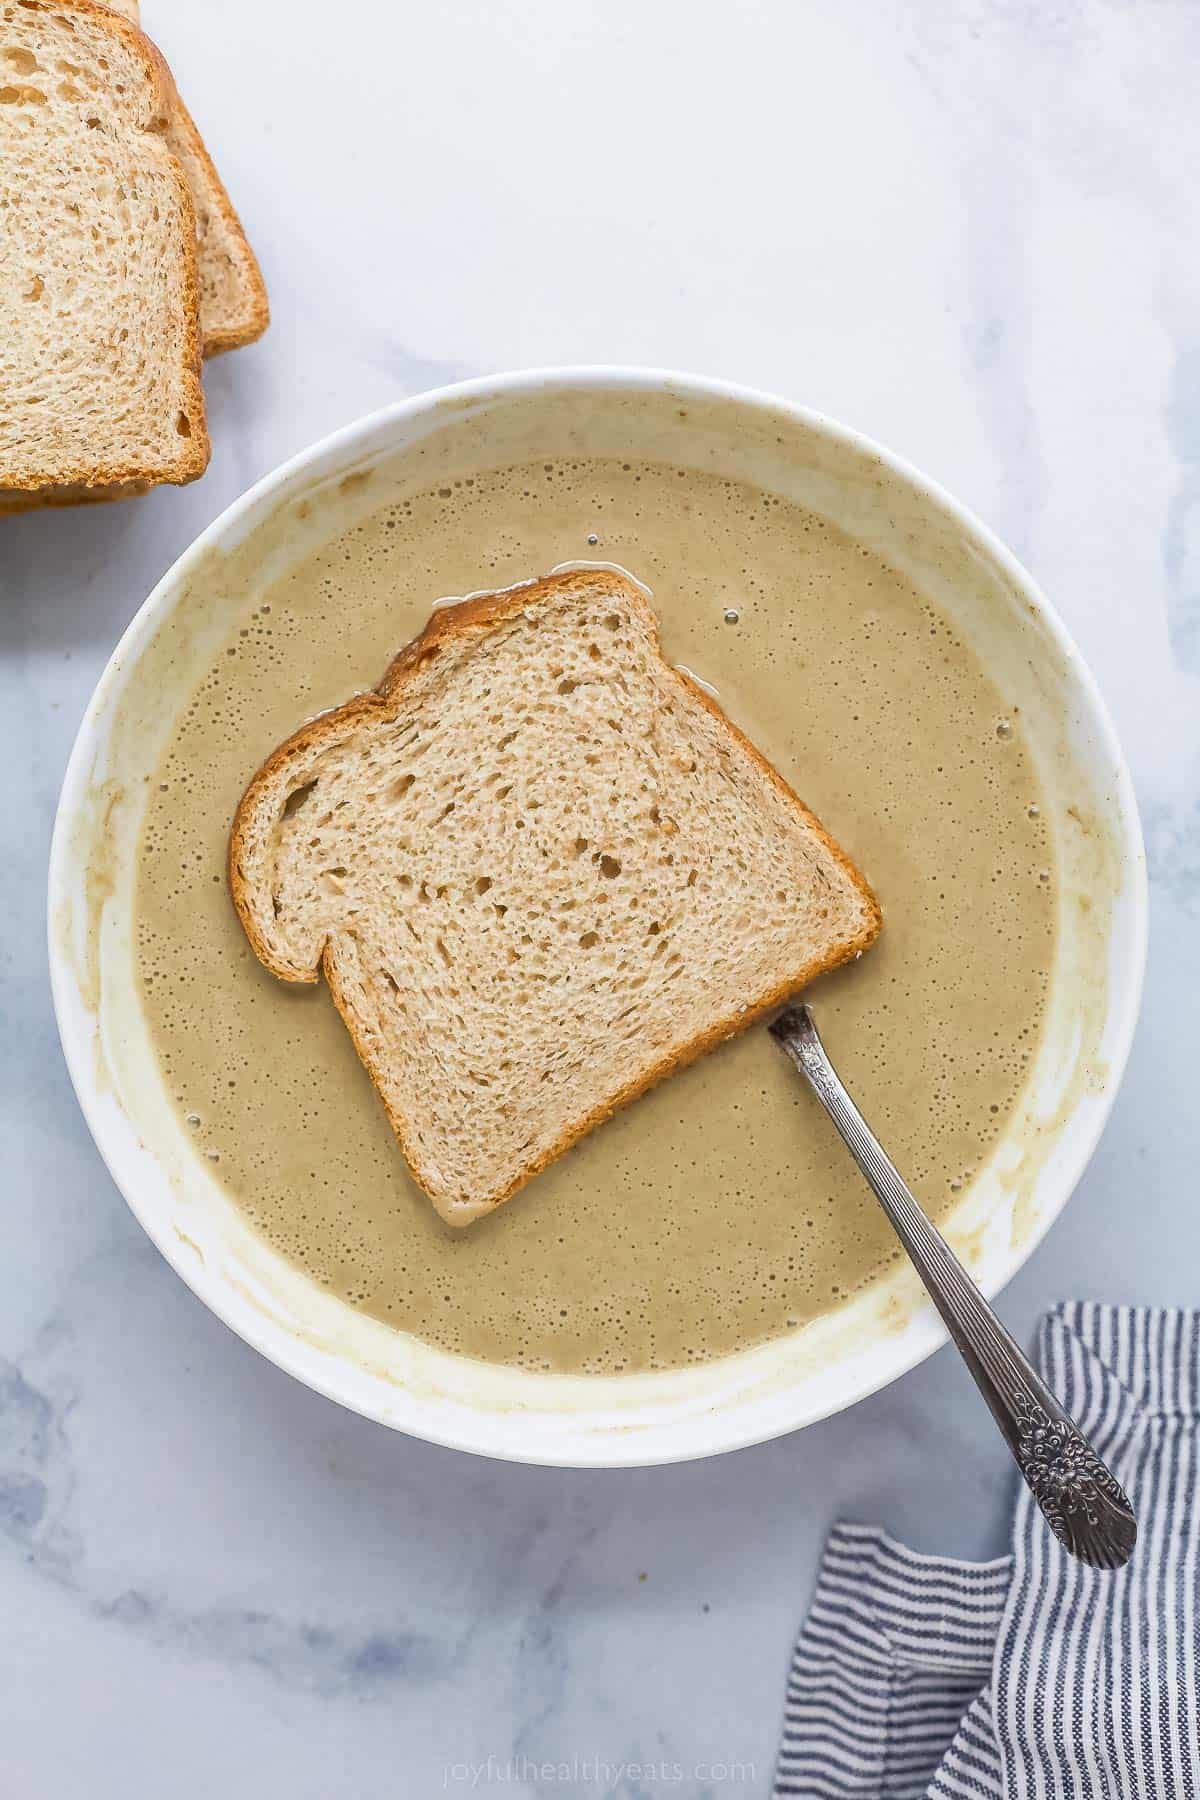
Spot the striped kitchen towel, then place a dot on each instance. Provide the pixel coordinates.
(1032, 1677)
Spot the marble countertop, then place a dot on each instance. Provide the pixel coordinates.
(969, 230)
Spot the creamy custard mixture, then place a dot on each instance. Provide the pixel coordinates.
(720, 1210)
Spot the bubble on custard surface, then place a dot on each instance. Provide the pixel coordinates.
(1004, 729)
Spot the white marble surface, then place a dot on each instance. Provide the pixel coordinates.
(970, 230)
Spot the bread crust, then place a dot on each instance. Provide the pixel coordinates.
(468, 620)
(33, 500)
(22, 491)
(216, 339)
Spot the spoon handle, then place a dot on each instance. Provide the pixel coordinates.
(1084, 1505)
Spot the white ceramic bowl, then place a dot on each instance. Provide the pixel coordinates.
(740, 1399)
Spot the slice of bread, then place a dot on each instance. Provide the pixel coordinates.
(99, 319)
(541, 869)
(233, 296)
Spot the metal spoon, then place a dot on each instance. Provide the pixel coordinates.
(1085, 1507)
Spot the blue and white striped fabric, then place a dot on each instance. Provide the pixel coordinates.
(1032, 1677)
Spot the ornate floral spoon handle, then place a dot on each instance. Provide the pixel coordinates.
(1085, 1507)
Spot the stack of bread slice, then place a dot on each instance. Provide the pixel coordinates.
(122, 261)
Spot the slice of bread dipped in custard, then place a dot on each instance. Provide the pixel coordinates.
(540, 870)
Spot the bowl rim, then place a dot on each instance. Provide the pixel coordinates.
(270, 1339)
